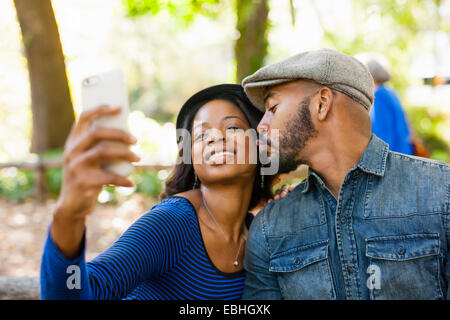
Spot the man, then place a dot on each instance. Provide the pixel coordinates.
(389, 121)
(367, 223)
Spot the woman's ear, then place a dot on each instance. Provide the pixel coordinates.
(324, 103)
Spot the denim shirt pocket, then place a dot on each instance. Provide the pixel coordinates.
(304, 272)
(404, 267)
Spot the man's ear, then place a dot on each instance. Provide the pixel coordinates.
(324, 103)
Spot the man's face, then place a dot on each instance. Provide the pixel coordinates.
(288, 114)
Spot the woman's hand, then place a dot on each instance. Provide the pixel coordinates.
(282, 192)
(86, 149)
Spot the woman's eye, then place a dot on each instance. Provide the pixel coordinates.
(233, 129)
(274, 108)
(199, 137)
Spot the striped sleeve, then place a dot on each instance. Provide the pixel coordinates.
(150, 247)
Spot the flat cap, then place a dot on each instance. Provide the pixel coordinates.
(328, 67)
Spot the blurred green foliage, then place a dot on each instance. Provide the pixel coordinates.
(429, 125)
(112, 195)
(397, 29)
(184, 10)
(53, 175)
(393, 28)
(16, 185)
(147, 182)
(54, 179)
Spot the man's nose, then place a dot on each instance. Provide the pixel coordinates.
(263, 125)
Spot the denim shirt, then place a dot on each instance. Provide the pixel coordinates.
(385, 237)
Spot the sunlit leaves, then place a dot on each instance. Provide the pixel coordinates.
(185, 10)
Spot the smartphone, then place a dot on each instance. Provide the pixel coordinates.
(109, 88)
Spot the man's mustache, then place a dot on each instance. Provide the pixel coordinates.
(264, 140)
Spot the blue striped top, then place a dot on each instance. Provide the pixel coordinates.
(161, 256)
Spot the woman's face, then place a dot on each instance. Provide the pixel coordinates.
(223, 147)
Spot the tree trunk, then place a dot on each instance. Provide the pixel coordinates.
(251, 48)
(51, 103)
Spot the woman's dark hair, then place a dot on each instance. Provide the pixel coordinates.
(182, 177)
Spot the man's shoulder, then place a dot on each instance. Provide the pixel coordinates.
(296, 210)
(414, 182)
(411, 164)
(289, 200)
(417, 173)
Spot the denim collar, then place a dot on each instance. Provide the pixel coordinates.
(373, 161)
(374, 157)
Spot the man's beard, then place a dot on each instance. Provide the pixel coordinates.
(297, 133)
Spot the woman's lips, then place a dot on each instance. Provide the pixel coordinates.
(219, 157)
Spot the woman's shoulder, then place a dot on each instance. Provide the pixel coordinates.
(176, 204)
(167, 227)
(175, 210)
(193, 197)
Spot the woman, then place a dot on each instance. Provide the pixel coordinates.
(191, 244)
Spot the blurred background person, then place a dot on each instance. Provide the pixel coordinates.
(389, 121)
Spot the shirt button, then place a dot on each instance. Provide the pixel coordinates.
(296, 261)
(350, 270)
(343, 220)
(401, 251)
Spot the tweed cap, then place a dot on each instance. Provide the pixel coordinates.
(328, 67)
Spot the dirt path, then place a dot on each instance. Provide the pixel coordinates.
(24, 227)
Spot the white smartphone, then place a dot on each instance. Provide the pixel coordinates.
(109, 88)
